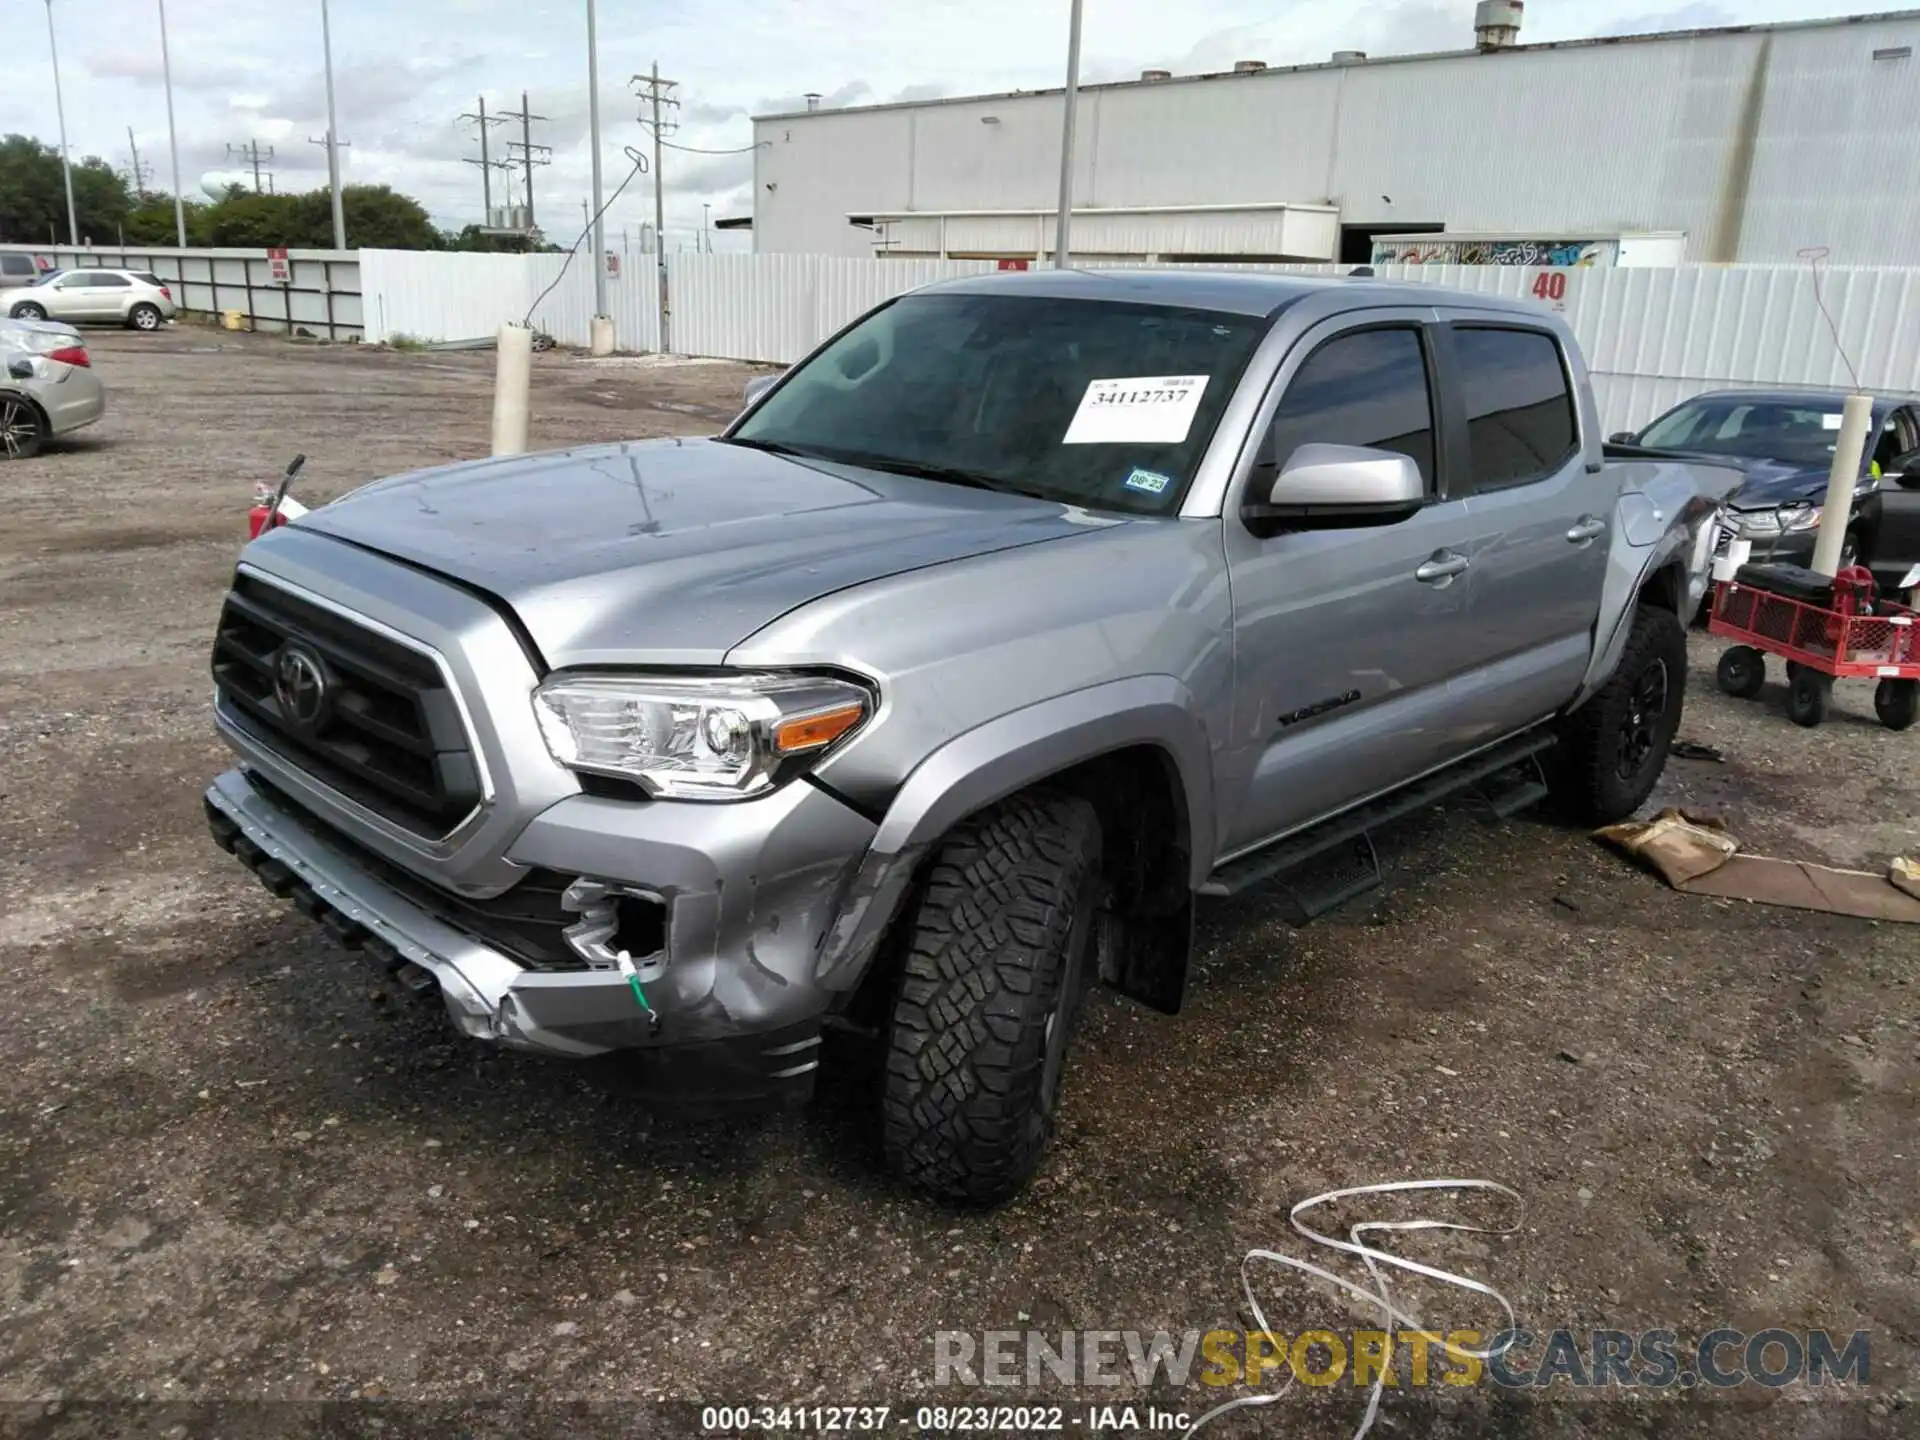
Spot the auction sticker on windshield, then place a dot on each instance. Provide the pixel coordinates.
(1141, 410)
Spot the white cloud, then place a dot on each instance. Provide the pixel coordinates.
(404, 72)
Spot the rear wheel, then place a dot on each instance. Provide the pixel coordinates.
(1897, 703)
(28, 310)
(1808, 697)
(22, 431)
(999, 951)
(1742, 671)
(145, 317)
(1615, 746)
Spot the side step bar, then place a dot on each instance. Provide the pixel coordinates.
(1334, 861)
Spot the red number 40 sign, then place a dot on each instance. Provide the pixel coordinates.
(1550, 285)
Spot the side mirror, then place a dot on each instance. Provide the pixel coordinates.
(20, 369)
(759, 386)
(1331, 487)
(1623, 437)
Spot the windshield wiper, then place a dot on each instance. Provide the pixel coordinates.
(772, 447)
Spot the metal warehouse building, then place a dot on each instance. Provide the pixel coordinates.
(1745, 144)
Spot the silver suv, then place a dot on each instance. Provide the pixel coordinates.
(1021, 614)
(135, 298)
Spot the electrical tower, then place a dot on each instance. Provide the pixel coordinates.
(656, 95)
(529, 154)
(141, 171)
(487, 165)
(253, 153)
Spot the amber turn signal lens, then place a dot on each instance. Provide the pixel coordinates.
(810, 732)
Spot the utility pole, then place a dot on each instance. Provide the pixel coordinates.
(139, 171)
(706, 225)
(1063, 226)
(656, 92)
(530, 154)
(487, 166)
(173, 139)
(60, 108)
(597, 223)
(333, 136)
(252, 153)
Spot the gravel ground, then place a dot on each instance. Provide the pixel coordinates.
(235, 1167)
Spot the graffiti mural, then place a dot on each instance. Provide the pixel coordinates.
(1554, 254)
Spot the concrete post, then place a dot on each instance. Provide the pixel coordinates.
(1849, 448)
(512, 384)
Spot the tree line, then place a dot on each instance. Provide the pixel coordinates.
(33, 211)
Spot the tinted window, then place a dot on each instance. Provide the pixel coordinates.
(1519, 410)
(16, 265)
(1367, 388)
(107, 280)
(1093, 402)
(149, 278)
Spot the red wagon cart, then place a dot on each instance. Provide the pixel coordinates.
(1824, 629)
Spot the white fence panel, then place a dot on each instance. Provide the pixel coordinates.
(453, 296)
(775, 308)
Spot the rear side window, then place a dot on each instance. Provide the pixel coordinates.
(1367, 387)
(16, 265)
(107, 280)
(1520, 425)
(147, 277)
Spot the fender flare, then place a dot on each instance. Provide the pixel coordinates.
(993, 761)
(1624, 588)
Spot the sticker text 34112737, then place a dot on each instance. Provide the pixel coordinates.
(1137, 410)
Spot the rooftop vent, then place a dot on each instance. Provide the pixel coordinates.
(1248, 67)
(1156, 74)
(813, 100)
(1349, 57)
(1496, 23)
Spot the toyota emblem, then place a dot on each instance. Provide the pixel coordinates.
(300, 685)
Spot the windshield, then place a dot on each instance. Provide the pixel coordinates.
(1094, 403)
(1798, 432)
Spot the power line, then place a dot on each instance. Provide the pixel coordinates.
(529, 154)
(487, 165)
(254, 154)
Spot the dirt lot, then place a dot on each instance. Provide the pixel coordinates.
(233, 1167)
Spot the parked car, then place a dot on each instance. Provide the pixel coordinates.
(1783, 441)
(47, 386)
(17, 270)
(1023, 613)
(135, 298)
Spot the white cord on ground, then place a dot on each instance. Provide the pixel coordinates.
(1380, 1296)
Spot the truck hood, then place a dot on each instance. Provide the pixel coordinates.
(674, 551)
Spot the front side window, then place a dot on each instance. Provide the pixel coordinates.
(1367, 388)
(1757, 429)
(1091, 402)
(1520, 425)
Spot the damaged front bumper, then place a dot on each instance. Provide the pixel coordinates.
(749, 894)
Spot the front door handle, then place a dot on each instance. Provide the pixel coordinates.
(1587, 527)
(1441, 567)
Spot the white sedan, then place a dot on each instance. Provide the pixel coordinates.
(135, 298)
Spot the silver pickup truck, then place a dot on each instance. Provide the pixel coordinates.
(1021, 614)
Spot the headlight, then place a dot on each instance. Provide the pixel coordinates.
(1763, 524)
(726, 737)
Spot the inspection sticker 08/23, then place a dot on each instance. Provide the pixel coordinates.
(1150, 482)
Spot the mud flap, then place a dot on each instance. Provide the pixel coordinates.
(1146, 956)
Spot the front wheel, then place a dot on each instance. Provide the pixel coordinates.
(28, 310)
(22, 431)
(999, 951)
(145, 317)
(1615, 746)
(1897, 703)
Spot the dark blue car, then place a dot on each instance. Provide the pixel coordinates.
(1783, 440)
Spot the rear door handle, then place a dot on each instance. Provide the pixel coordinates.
(1587, 527)
(1441, 568)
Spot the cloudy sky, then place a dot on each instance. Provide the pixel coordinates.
(406, 69)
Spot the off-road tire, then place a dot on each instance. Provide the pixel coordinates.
(1809, 696)
(1597, 783)
(998, 953)
(145, 317)
(1742, 672)
(1897, 703)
